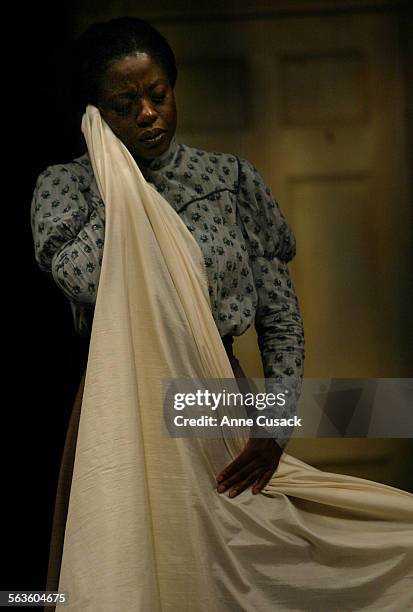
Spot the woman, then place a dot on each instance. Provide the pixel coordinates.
(127, 71)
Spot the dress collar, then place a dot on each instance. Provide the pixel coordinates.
(146, 166)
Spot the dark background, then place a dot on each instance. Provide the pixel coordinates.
(44, 357)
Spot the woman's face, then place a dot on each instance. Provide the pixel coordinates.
(137, 101)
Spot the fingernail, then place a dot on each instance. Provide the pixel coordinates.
(233, 493)
(220, 478)
(221, 489)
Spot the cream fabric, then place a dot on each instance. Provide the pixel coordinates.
(146, 529)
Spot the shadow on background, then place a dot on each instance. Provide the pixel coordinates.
(44, 357)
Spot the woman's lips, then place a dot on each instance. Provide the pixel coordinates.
(151, 142)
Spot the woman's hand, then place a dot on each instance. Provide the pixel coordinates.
(253, 467)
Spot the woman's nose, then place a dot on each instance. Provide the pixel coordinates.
(147, 114)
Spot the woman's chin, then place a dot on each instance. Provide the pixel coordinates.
(152, 149)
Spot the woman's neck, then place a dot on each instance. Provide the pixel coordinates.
(156, 163)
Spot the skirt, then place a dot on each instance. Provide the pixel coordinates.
(66, 472)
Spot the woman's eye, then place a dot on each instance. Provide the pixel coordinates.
(122, 110)
(158, 98)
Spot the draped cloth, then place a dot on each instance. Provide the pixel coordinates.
(146, 529)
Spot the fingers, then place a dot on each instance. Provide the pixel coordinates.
(254, 466)
(231, 469)
(243, 484)
(231, 476)
(262, 482)
(258, 478)
(236, 481)
(245, 457)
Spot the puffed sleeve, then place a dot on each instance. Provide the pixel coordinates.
(68, 232)
(278, 323)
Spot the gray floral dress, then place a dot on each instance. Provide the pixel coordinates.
(225, 204)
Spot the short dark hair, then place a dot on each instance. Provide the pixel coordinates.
(105, 41)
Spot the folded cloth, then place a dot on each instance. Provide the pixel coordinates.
(146, 529)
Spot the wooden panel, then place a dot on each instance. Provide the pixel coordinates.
(212, 94)
(337, 280)
(203, 10)
(383, 460)
(323, 88)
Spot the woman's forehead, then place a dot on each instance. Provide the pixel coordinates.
(132, 71)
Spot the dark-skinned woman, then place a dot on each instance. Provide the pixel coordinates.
(236, 554)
